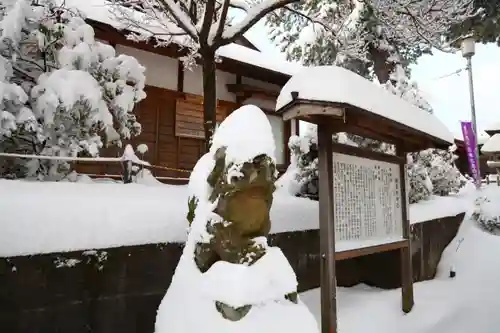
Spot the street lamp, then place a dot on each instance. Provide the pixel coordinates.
(468, 50)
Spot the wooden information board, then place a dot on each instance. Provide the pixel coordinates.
(368, 197)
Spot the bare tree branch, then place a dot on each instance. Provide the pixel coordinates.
(181, 18)
(239, 4)
(208, 16)
(254, 15)
(222, 19)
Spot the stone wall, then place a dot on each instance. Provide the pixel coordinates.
(118, 290)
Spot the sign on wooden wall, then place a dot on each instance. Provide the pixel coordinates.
(189, 117)
(368, 201)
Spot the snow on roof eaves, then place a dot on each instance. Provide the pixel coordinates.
(338, 85)
(98, 10)
(262, 60)
(492, 145)
(494, 127)
(483, 137)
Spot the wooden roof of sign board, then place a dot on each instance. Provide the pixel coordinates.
(361, 107)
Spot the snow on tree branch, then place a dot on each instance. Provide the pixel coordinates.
(191, 24)
(401, 86)
(361, 34)
(253, 15)
(62, 92)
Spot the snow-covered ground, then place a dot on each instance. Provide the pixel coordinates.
(467, 303)
(64, 216)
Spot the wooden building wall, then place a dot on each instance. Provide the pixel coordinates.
(462, 162)
(169, 145)
(173, 142)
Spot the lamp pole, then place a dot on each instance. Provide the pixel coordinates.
(468, 51)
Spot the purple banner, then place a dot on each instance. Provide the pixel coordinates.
(471, 149)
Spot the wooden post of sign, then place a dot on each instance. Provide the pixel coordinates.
(406, 264)
(327, 229)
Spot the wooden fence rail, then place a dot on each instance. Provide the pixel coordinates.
(131, 164)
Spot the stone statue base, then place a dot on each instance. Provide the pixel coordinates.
(188, 306)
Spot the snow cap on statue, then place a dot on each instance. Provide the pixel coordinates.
(246, 133)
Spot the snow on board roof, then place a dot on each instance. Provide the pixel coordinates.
(492, 145)
(99, 10)
(338, 85)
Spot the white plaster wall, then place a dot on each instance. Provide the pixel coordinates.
(193, 83)
(278, 126)
(161, 71)
(260, 84)
(266, 104)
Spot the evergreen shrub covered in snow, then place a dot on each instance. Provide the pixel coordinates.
(443, 173)
(487, 213)
(62, 91)
(420, 182)
(304, 150)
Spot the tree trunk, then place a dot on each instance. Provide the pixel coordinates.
(209, 96)
(381, 66)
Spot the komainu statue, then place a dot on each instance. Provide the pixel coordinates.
(228, 274)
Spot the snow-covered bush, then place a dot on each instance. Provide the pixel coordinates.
(304, 158)
(443, 173)
(487, 214)
(304, 150)
(420, 183)
(63, 92)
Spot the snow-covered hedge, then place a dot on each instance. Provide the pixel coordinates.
(62, 92)
(487, 213)
(439, 165)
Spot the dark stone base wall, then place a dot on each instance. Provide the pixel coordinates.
(118, 290)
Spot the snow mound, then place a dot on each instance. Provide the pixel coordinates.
(438, 207)
(65, 216)
(492, 145)
(487, 211)
(466, 303)
(288, 183)
(336, 84)
(268, 279)
(189, 305)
